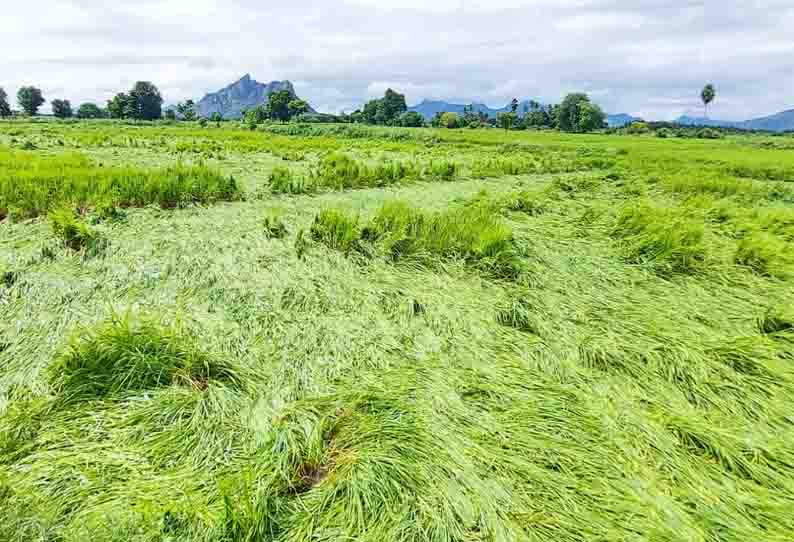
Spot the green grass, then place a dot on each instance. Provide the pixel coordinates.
(31, 185)
(592, 342)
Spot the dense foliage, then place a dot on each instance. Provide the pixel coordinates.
(30, 100)
(142, 102)
(61, 109)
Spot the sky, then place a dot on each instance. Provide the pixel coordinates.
(649, 58)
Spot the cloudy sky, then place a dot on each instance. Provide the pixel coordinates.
(645, 57)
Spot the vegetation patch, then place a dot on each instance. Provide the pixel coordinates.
(661, 236)
(765, 255)
(130, 354)
(31, 185)
(75, 233)
(470, 234)
(273, 226)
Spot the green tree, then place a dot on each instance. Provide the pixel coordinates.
(577, 114)
(187, 110)
(62, 109)
(89, 111)
(591, 117)
(386, 110)
(30, 99)
(297, 107)
(370, 111)
(393, 105)
(506, 120)
(411, 119)
(147, 101)
(513, 105)
(120, 106)
(216, 118)
(449, 120)
(5, 109)
(170, 114)
(707, 96)
(278, 105)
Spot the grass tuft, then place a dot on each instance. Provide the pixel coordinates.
(131, 354)
(336, 230)
(273, 226)
(765, 255)
(661, 236)
(76, 234)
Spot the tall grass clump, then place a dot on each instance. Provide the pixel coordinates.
(765, 255)
(471, 234)
(284, 180)
(31, 185)
(130, 354)
(663, 237)
(338, 171)
(273, 225)
(75, 234)
(336, 230)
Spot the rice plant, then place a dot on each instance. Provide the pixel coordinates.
(129, 354)
(75, 233)
(660, 236)
(31, 185)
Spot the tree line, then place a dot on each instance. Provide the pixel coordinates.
(576, 112)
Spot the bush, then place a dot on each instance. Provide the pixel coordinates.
(75, 234)
(708, 133)
(127, 354)
(663, 133)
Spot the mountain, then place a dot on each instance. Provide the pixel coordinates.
(428, 108)
(620, 120)
(243, 94)
(779, 122)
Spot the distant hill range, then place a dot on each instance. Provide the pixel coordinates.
(429, 108)
(246, 93)
(779, 122)
(620, 120)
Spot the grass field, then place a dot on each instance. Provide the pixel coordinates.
(337, 333)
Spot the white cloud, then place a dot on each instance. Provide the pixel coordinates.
(645, 56)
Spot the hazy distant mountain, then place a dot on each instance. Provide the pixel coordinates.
(620, 120)
(779, 122)
(243, 94)
(429, 108)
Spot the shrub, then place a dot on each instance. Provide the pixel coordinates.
(663, 237)
(127, 354)
(75, 234)
(663, 133)
(708, 133)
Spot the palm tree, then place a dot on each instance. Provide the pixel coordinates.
(707, 95)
